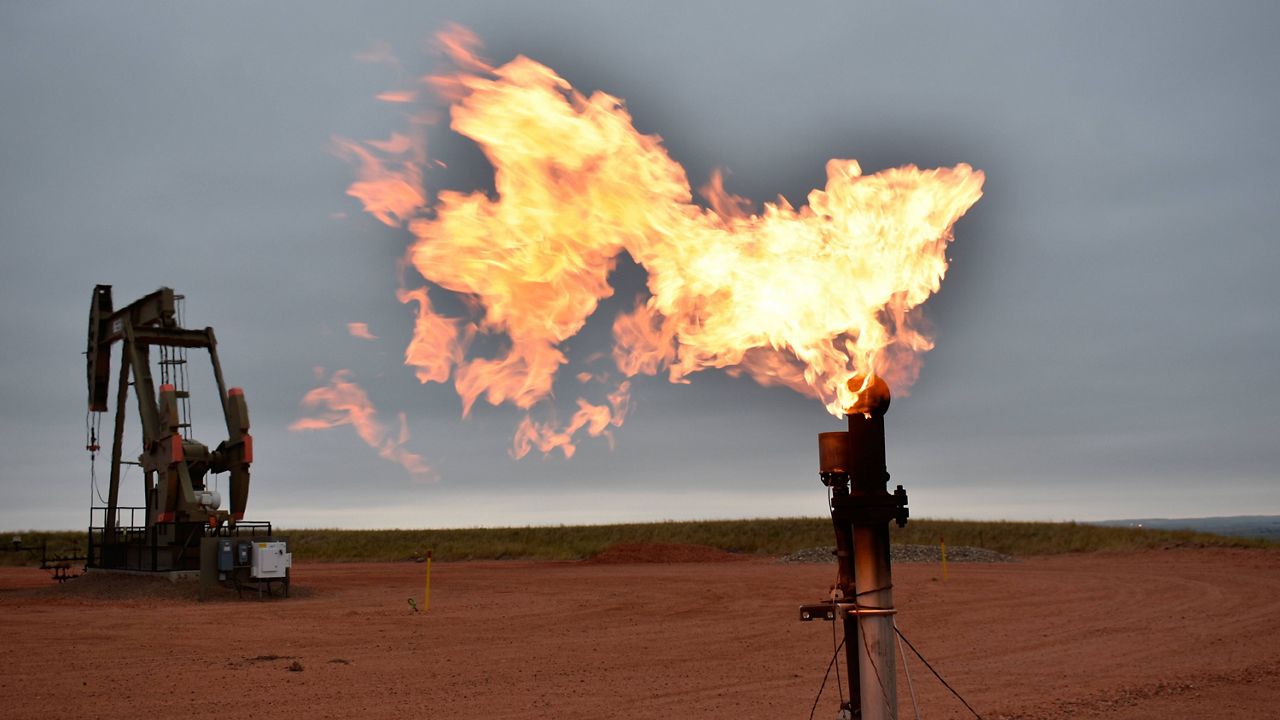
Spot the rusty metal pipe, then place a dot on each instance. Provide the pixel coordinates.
(833, 469)
(873, 580)
(852, 465)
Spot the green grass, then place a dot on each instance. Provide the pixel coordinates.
(563, 542)
(773, 536)
(60, 542)
(1042, 538)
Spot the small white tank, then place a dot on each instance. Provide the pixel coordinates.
(209, 499)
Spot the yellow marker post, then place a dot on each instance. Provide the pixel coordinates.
(426, 599)
(943, 544)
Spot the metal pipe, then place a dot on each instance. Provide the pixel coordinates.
(833, 468)
(852, 466)
(873, 580)
(876, 659)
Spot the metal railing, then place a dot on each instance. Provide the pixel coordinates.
(161, 547)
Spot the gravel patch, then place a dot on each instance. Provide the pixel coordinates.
(625, 553)
(907, 554)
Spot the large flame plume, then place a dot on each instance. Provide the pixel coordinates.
(802, 297)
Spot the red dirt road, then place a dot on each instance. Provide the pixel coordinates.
(1177, 633)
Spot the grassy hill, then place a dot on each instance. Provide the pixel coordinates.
(1266, 527)
(772, 536)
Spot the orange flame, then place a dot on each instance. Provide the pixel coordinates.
(345, 403)
(397, 96)
(390, 190)
(804, 298)
(435, 347)
(360, 330)
(595, 419)
(379, 52)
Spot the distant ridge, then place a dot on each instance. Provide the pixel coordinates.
(1266, 527)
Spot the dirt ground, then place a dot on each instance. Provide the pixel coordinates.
(1174, 633)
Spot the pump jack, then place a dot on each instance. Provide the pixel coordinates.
(181, 510)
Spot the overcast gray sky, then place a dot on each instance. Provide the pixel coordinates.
(1107, 336)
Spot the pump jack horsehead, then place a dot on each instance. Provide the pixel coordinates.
(179, 502)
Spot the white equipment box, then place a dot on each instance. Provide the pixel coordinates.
(270, 560)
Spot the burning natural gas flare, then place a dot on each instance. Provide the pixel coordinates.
(343, 402)
(397, 96)
(390, 182)
(360, 330)
(802, 297)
